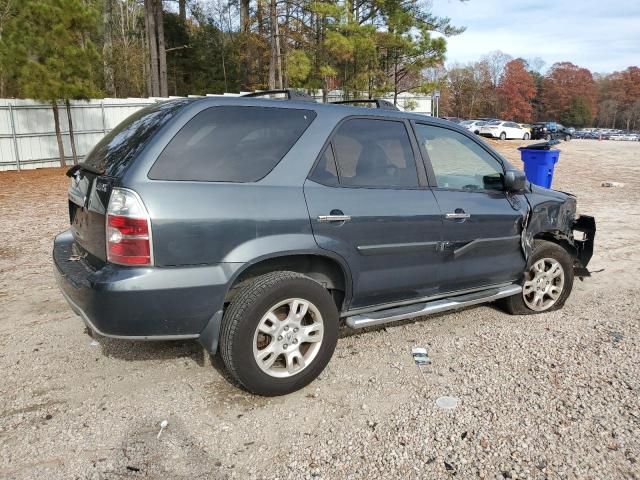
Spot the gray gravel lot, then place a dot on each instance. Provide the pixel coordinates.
(546, 396)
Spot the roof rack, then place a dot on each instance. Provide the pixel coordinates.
(290, 93)
(384, 104)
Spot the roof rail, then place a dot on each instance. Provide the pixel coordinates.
(290, 93)
(384, 104)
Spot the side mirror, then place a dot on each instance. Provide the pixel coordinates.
(515, 180)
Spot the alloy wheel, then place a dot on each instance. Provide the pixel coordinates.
(288, 338)
(544, 284)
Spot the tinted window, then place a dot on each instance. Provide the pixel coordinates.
(326, 171)
(459, 162)
(115, 152)
(231, 144)
(374, 153)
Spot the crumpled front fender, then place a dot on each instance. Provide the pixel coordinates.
(553, 216)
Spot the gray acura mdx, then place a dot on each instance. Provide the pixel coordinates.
(258, 226)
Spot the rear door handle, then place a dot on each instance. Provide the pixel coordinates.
(457, 216)
(334, 218)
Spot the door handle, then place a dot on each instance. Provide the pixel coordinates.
(457, 216)
(334, 218)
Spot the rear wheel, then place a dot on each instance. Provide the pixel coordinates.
(526, 136)
(279, 333)
(547, 137)
(503, 136)
(567, 138)
(548, 281)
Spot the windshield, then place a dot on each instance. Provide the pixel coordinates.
(115, 152)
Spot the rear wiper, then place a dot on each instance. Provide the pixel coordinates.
(71, 172)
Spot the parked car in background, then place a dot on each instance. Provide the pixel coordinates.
(550, 131)
(473, 125)
(504, 130)
(629, 137)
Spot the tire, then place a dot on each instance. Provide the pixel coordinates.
(526, 136)
(549, 252)
(268, 302)
(547, 137)
(567, 138)
(503, 136)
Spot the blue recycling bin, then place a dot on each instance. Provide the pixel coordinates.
(539, 163)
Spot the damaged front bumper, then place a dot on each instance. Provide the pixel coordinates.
(583, 241)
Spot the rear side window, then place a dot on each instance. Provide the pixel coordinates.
(374, 153)
(231, 144)
(120, 147)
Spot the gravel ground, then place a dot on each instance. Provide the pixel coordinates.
(549, 396)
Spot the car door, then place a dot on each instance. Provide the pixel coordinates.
(369, 202)
(482, 224)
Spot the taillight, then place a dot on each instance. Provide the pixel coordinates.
(128, 229)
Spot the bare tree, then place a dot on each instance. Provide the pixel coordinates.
(162, 54)
(157, 55)
(107, 49)
(275, 62)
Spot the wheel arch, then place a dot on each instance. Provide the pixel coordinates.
(327, 269)
(559, 238)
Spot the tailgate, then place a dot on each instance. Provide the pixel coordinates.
(88, 201)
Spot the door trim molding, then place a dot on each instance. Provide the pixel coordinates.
(458, 252)
(390, 248)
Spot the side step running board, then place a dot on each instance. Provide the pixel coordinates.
(428, 308)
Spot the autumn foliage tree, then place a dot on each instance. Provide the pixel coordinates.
(517, 90)
(569, 94)
(619, 99)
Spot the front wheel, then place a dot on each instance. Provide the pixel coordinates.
(503, 136)
(279, 333)
(567, 138)
(548, 281)
(526, 136)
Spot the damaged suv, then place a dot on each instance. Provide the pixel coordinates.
(258, 226)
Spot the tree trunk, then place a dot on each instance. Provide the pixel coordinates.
(56, 121)
(245, 21)
(71, 137)
(107, 56)
(273, 59)
(149, 7)
(182, 8)
(162, 54)
(261, 33)
(278, 54)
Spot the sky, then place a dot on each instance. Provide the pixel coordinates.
(601, 35)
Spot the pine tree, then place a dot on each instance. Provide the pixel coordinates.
(52, 55)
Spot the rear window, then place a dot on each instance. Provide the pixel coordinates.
(117, 150)
(231, 144)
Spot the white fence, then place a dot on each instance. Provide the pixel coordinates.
(28, 138)
(27, 133)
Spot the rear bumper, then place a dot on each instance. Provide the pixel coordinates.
(141, 303)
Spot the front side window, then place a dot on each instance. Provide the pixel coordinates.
(458, 162)
(231, 144)
(374, 153)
